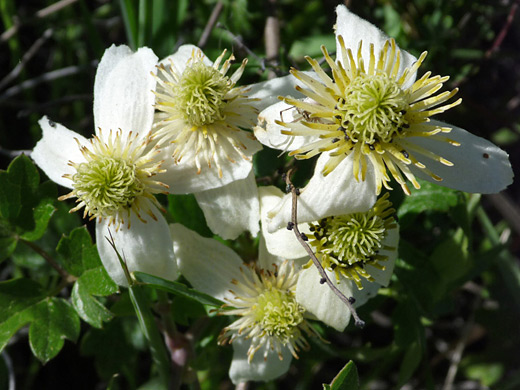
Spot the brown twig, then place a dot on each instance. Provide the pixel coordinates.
(502, 34)
(325, 279)
(64, 274)
(26, 58)
(210, 25)
(272, 38)
(43, 13)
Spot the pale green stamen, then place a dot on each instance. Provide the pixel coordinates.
(345, 244)
(107, 185)
(199, 96)
(278, 313)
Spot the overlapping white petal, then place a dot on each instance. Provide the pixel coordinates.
(57, 147)
(232, 209)
(145, 247)
(319, 299)
(207, 264)
(281, 242)
(259, 369)
(337, 193)
(123, 97)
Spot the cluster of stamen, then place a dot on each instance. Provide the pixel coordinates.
(345, 244)
(370, 111)
(116, 179)
(269, 314)
(201, 111)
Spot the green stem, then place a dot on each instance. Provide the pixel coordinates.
(151, 332)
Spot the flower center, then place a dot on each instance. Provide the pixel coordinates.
(200, 94)
(117, 178)
(107, 185)
(268, 312)
(346, 243)
(373, 112)
(373, 109)
(278, 313)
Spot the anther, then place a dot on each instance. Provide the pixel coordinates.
(334, 140)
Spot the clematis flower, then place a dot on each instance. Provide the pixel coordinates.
(115, 174)
(202, 121)
(357, 250)
(371, 120)
(271, 327)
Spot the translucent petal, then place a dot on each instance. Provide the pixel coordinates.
(56, 148)
(281, 242)
(478, 165)
(335, 194)
(182, 55)
(209, 265)
(259, 369)
(267, 92)
(231, 209)
(323, 303)
(146, 247)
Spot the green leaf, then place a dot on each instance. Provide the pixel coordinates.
(77, 252)
(51, 319)
(450, 258)
(185, 209)
(151, 332)
(412, 359)
(42, 215)
(176, 288)
(7, 247)
(88, 307)
(311, 46)
(113, 348)
(98, 282)
(430, 197)
(347, 379)
(25, 205)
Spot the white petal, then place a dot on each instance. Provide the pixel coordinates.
(209, 265)
(322, 302)
(269, 133)
(56, 148)
(355, 29)
(182, 55)
(123, 97)
(479, 165)
(383, 277)
(282, 242)
(146, 247)
(259, 369)
(231, 209)
(337, 193)
(268, 92)
(184, 179)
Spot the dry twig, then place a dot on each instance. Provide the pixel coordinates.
(293, 225)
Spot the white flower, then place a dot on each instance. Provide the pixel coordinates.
(115, 174)
(371, 120)
(271, 327)
(206, 120)
(358, 251)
